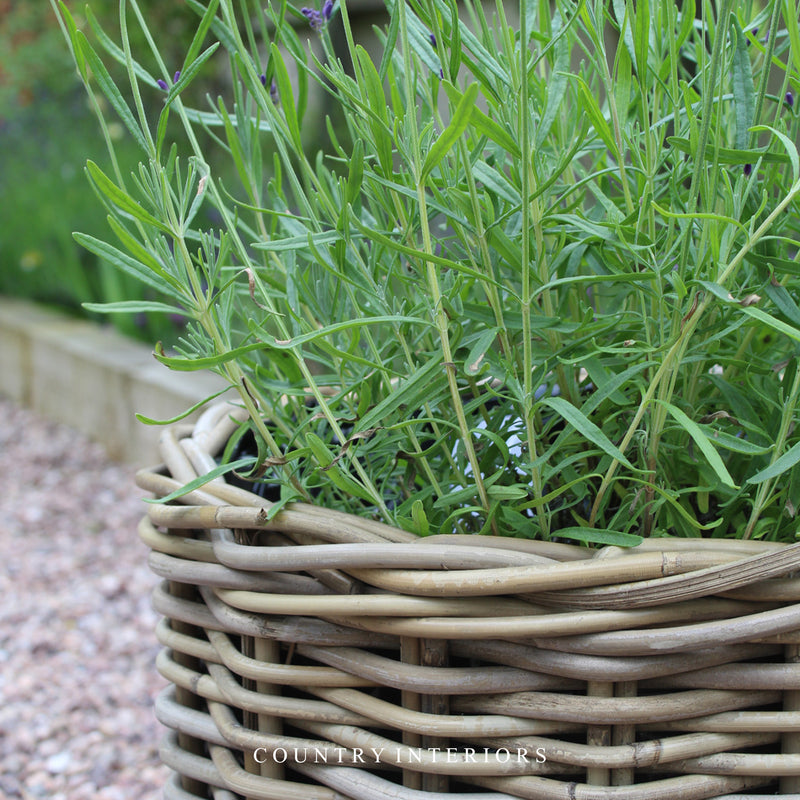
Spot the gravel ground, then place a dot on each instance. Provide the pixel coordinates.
(77, 648)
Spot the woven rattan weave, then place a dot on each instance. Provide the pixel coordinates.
(319, 656)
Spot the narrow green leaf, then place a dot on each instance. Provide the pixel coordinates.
(150, 421)
(497, 182)
(599, 122)
(726, 155)
(784, 302)
(421, 523)
(778, 467)
(742, 82)
(734, 443)
(698, 215)
(412, 393)
(772, 322)
(687, 18)
(718, 291)
(642, 39)
(626, 27)
(161, 131)
(419, 41)
(187, 75)
(319, 450)
(202, 30)
(788, 145)
(484, 124)
(702, 441)
(356, 173)
(420, 255)
(188, 72)
(202, 480)
(72, 33)
(218, 26)
(455, 42)
(622, 83)
(507, 492)
(669, 497)
(235, 145)
(575, 417)
(793, 28)
(373, 96)
(122, 200)
(116, 52)
(286, 93)
(550, 496)
(449, 136)
(599, 536)
(180, 364)
(330, 468)
(472, 365)
(483, 57)
(456, 498)
(299, 242)
(212, 119)
(135, 307)
(337, 327)
(388, 46)
(110, 90)
(156, 278)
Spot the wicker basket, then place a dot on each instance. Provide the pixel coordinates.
(319, 656)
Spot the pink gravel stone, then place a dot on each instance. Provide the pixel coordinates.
(77, 639)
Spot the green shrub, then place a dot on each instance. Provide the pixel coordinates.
(546, 285)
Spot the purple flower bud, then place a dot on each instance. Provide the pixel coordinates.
(314, 18)
(789, 99)
(263, 79)
(273, 93)
(748, 168)
(162, 85)
(432, 38)
(327, 10)
(176, 76)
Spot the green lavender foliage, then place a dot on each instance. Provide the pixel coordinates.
(541, 281)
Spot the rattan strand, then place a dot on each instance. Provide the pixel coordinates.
(657, 669)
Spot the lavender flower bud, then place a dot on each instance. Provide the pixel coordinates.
(263, 79)
(162, 85)
(433, 39)
(314, 18)
(327, 10)
(273, 93)
(748, 168)
(789, 99)
(176, 76)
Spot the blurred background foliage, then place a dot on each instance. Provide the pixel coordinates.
(47, 131)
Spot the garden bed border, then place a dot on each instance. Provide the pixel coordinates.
(92, 378)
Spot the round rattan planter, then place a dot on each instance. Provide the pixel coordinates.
(318, 656)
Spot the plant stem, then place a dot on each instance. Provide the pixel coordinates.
(765, 489)
(525, 267)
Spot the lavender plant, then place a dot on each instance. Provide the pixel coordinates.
(540, 280)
